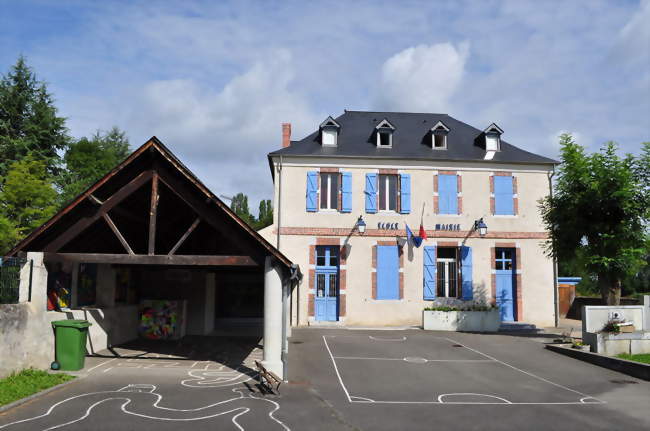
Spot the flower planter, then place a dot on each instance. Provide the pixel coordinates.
(471, 321)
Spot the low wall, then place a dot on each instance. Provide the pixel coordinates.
(26, 334)
(28, 338)
(635, 369)
(471, 321)
(575, 310)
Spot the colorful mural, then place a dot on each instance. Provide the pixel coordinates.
(161, 319)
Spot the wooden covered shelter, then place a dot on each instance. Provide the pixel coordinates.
(150, 215)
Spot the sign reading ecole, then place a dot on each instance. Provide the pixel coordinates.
(438, 226)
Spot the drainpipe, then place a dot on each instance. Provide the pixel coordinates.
(556, 305)
(279, 206)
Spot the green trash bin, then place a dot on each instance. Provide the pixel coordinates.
(70, 340)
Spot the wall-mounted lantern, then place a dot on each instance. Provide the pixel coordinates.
(360, 225)
(480, 226)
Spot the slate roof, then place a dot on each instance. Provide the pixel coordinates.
(411, 140)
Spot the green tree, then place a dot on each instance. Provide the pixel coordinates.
(89, 159)
(29, 123)
(8, 234)
(239, 205)
(265, 216)
(27, 200)
(599, 212)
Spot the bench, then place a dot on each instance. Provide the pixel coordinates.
(268, 378)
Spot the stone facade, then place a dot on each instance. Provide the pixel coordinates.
(300, 231)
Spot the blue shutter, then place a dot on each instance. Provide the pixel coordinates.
(371, 193)
(387, 272)
(430, 273)
(453, 194)
(346, 192)
(448, 194)
(312, 191)
(443, 202)
(503, 198)
(405, 194)
(466, 272)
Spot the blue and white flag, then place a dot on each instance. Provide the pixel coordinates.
(416, 241)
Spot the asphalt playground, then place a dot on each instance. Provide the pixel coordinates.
(342, 379)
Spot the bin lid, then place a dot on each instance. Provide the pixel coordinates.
(72, 323)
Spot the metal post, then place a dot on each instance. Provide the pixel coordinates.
(31, 272)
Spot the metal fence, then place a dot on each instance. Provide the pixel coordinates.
(10, 279)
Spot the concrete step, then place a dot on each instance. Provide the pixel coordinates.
(519, 327)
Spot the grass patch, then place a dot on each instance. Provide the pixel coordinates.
(28, 382)
(644, 358)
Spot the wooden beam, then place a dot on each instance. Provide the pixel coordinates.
(92, 198)
(117, 233)
(200, 207)
(145, 259)
(184, 237)
(153, 211)
(109, 203)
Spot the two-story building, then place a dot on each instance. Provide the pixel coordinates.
(345, 194)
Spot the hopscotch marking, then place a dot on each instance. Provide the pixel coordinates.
(122, 394)
(585, 399)
(221, 377)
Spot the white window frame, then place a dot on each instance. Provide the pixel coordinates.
(329, 137)
(329, 191)
(492, 138)
(390, 139)
(444, 141)
(387, 195)
(446, 278)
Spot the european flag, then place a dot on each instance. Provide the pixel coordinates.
(416, 241)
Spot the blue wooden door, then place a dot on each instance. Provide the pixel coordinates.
(326, 302)
(506, 283)
(387, 272)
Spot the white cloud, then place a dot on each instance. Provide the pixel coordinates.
(422, 78)
(214, 80)
(225, 135)
(634, 38)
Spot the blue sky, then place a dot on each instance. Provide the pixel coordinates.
(214, 80)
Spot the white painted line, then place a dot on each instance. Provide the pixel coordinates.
(442, 396)
(107, 370)
(525, 372)
(407, 359)
(358, 399)
(144, 397)
(347, 394)
(99, 365)
(363, 399)
(386, 339)
(569, 403)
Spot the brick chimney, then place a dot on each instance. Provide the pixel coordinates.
(286, 135)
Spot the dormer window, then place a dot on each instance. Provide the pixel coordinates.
(329, 132)
(439, 136)
(384, 133)
(493, 138)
